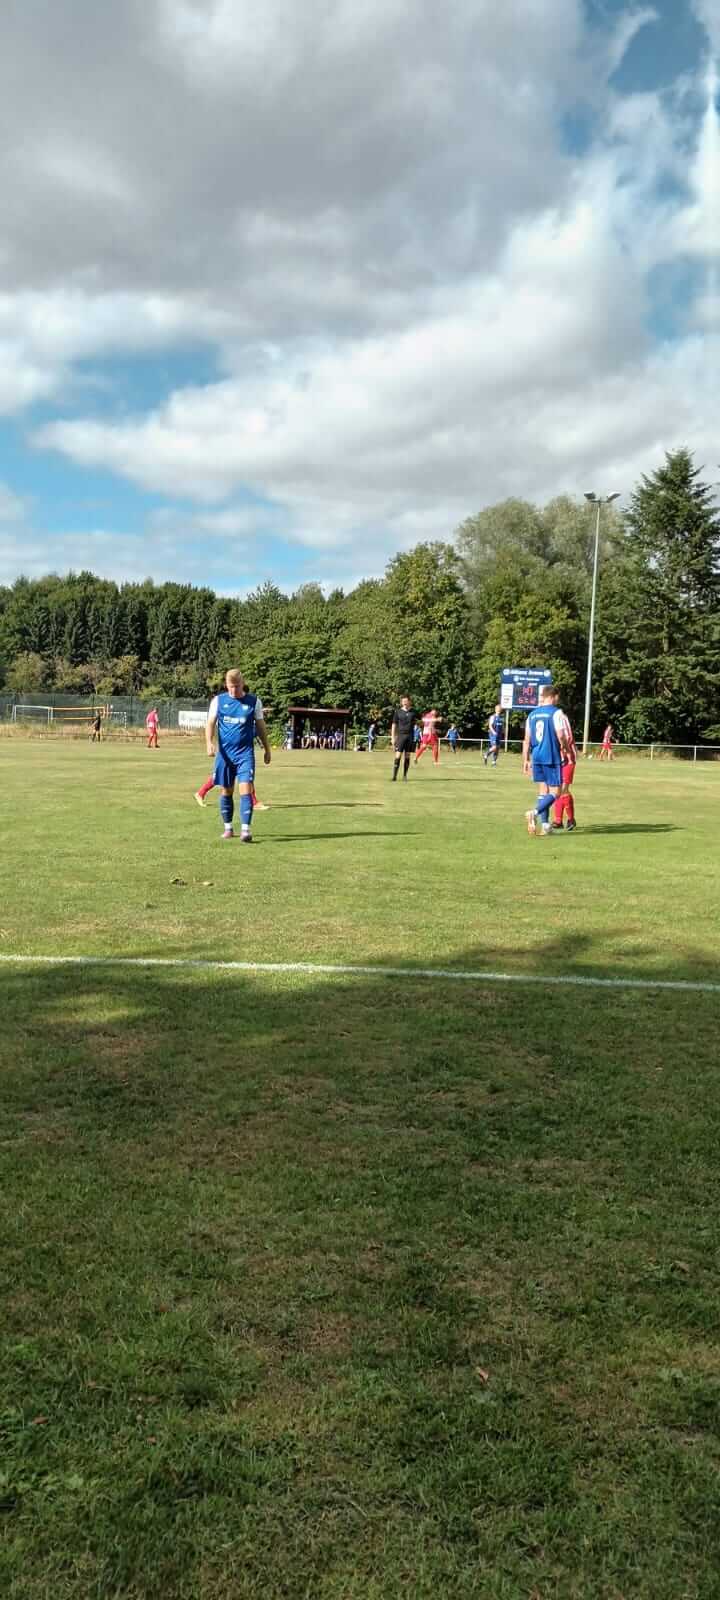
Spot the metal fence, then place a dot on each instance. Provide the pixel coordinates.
(123, 711)
(650, 752)
(129, 712)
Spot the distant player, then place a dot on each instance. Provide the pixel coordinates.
(152, 723)
(453, 738)
(96, 735)
(371, 736)
(495, 728)
(608, 740)
(236, 716)
(545, 753)
(430, 740)
(202, 793)
(565, 804)
(417, 734)
(402, 736)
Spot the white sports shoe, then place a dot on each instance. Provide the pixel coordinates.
(530, 820)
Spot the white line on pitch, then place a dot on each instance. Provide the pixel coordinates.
(322, 969)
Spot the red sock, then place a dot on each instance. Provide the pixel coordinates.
(570, 803)
(558, 810)
(207, 786)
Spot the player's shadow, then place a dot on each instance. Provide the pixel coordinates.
(630, 827)
(327, 805)
(358, 833)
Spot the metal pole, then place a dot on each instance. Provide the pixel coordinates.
(507, 728)
(588, 683)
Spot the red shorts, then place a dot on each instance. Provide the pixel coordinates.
(568, 773)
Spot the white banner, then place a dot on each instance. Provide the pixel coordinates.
(192, 719)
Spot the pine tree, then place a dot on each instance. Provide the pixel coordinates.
(659, 650)
(675, 527)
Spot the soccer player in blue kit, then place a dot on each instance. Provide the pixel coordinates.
(237, 716)
(495, 728)
(545, 752)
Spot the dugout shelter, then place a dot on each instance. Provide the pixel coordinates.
(316, 719)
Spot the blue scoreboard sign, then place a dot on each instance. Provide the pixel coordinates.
(520, 687)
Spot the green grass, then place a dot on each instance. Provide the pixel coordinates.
(357, 1288)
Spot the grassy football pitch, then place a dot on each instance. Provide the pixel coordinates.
(350, 1286)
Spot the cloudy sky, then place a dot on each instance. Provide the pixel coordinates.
(286, 285)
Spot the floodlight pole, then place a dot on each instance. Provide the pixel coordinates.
(598, 501)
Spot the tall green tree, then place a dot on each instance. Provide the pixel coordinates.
(27, 673)
(658, 651)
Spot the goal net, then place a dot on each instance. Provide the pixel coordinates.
(69, 719)
(32, 713)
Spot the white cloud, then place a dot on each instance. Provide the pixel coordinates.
(708, 13)
(628, 25)
(419, 300)
(43, 333)
(12, 508)
(511, 383)
(127, 558)
(698, 226)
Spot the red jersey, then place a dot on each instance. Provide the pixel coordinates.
(569, 741)
(428, 727)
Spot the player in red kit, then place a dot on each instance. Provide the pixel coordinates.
(430, 740)
(152, 723)
(565, 805)
(204, 790)
(607, 744)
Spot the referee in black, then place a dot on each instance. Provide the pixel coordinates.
(401, 736)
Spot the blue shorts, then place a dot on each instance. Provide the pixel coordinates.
(227, 772)
(545, 773)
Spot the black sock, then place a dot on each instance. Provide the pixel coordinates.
(406, 766)
(396, 765)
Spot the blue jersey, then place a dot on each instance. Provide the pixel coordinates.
(496, 727)
(235, 723)
(544, 741)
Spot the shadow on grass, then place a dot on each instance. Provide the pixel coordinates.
(358, 833)
(327, 805)
(629, 827)
(295, 1260)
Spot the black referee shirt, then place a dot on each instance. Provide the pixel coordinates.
(404, 723)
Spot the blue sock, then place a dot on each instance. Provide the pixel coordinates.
(226, 809)
(246, 810)
(544, 804)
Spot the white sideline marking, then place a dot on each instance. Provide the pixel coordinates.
(312, 969)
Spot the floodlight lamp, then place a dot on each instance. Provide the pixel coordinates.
(591, 496)
(615, 496)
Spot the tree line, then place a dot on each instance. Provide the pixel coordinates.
(511, 589)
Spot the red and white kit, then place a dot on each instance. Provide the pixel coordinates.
(430, 740)
(565, 805)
